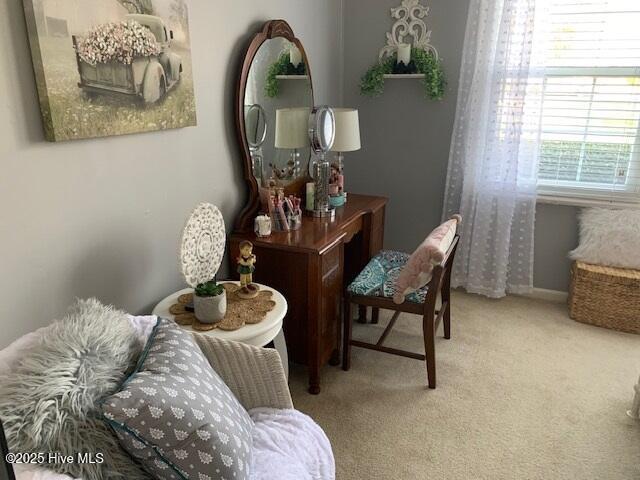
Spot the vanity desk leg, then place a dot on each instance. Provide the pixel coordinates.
(325, 308)
(314, 380)
(334, 361)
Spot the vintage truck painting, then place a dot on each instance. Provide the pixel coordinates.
(148, 78)
(111, 67)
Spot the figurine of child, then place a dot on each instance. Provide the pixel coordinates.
(246, 267)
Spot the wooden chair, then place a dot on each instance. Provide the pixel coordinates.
(422, 302)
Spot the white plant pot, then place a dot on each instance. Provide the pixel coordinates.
(210, 309)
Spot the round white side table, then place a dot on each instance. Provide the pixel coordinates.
(259, 334)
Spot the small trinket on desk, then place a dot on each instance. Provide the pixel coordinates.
(246, 267)
(262, 226)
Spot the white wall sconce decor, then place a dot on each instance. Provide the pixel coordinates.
(401, 59)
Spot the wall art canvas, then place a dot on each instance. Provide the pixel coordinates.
(111, 67)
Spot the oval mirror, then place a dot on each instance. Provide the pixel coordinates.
(278, 90)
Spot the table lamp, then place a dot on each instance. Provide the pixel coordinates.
(347, 140)
(291, 133)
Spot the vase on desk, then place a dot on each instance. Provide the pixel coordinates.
(210, 309)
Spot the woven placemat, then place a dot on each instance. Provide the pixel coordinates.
(240, 312)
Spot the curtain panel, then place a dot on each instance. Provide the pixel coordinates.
(493, 161)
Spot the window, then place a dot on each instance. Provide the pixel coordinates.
(591, 100)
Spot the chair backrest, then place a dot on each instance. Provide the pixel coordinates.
(441, 278)
(419, 269)
(445, 267)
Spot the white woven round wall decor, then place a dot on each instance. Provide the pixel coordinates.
(203, 244)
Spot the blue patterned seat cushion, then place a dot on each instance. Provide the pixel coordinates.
(378, 278)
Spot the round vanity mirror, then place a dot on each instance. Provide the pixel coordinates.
(322, 129)
(256, 126)
(322, 134)
(277, 100)
(255, 121)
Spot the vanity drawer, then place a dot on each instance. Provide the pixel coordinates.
(331, 300)
(331, 260)
(352, 229)
(330, 305)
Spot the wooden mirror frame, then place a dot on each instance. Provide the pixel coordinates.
(272, 29)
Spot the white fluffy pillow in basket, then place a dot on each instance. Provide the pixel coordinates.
(609, 237)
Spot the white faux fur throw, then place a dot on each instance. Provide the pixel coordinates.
(289, 445)
(49, 401)
(609, 237)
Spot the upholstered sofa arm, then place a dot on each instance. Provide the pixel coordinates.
(255, 375)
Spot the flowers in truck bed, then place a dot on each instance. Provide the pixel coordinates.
(119, 41)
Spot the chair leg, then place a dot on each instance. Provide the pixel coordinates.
(430, 347)
(362, 314)
(446, 321)
(445, 292)
(346, 337)
(335, 355)
(375, 315)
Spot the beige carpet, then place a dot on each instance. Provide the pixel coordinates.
(523, 393)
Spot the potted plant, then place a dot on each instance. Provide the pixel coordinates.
(210, 302)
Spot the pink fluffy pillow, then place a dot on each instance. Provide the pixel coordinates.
(419, 268)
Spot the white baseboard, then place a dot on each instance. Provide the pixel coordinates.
(548, 295)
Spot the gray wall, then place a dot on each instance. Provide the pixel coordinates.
(556, 235)
(406, 138)
(103, 217)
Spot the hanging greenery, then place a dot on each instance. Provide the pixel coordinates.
(282, 66)
(422, 61)
(372, 83)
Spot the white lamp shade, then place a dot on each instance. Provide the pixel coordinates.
(292, 127)
(347, 130)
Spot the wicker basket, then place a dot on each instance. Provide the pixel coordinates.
(605, 296)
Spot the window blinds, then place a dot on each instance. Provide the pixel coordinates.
(591, 99)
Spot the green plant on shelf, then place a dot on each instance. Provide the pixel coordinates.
(372, 83)
(282, 66)
(209, 289)
(422, 61)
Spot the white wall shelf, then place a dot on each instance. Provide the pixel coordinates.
(404, 75)
(292, 77)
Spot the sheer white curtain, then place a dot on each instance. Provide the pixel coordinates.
(492, 170)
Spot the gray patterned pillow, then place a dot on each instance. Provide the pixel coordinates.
(177, 417)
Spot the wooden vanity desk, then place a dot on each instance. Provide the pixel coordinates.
(311, 267)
